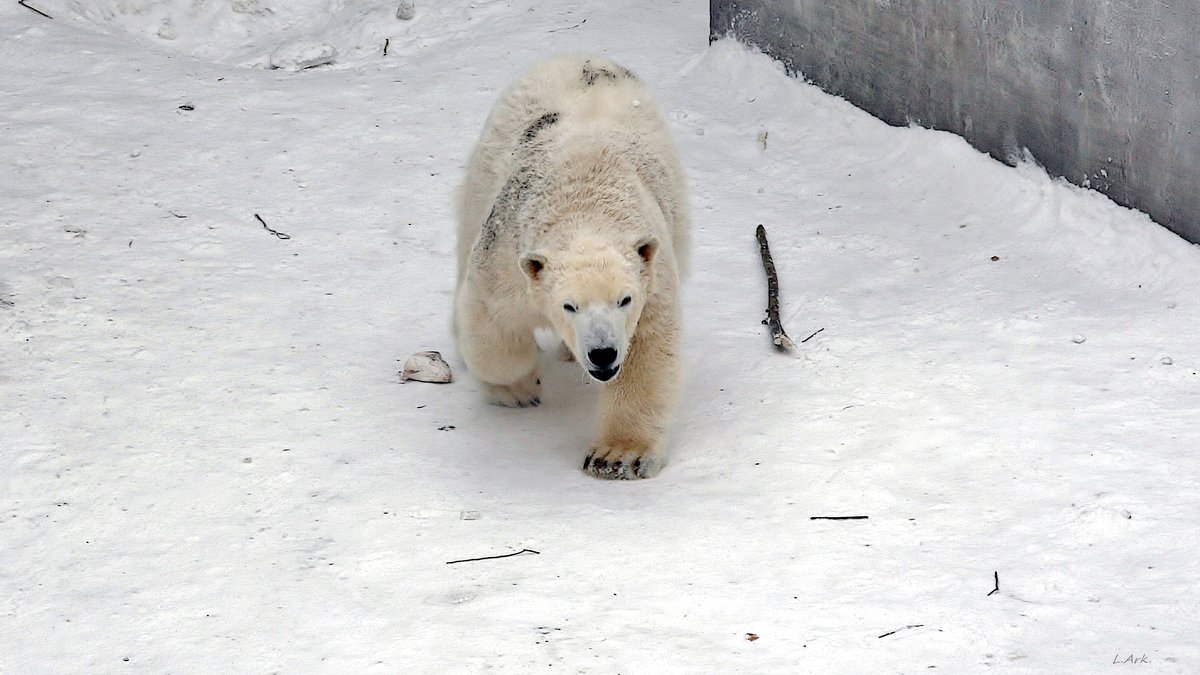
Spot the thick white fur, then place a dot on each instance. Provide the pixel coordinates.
(573, 217)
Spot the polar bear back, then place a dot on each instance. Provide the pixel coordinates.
(576, 95)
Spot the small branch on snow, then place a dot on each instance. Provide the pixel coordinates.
(568, 27)
(893, 632)
(780, 338)
(277, 233)
(812, 336)
(838, 517)
(494, 557)
(386, 42)
(997, 588)
(33, 9)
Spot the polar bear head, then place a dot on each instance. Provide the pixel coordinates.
(592, 293)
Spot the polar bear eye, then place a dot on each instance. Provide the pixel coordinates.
(569, 308)
(625, 301)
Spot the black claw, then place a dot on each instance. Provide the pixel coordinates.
(615, 469)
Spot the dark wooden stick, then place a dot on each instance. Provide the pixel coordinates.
(493, 557)
(386, 43)
(33, 9)
(837, 517)
(997, 588)
(780, 338)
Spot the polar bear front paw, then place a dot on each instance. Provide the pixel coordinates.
(524, 393)
(622, 461)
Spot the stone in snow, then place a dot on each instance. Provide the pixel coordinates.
(426, 367)
(301, 55)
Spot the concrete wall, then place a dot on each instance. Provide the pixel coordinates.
(1103, 92)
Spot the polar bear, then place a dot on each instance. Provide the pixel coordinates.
(573, 217)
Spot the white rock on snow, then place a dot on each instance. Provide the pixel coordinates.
(426, 367)
(302, 55)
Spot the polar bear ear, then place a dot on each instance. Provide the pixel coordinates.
(647, 248)
(533, 264)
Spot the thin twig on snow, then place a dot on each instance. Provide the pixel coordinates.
(493, 557)
(838, 517)
(814, 334)
(568, 27)
(893, 632)
(277, 233)
(33, 9)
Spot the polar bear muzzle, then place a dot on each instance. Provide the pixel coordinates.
(601, 339)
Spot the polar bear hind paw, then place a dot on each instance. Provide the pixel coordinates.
(621, 462)
(524, 393)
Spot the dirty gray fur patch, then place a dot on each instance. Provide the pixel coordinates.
(511, 196)
(487, 233)
(538, 125)
(592, 73)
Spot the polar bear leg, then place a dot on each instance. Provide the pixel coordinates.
(636, 407)
(524, 393)
(506, 366)
(503, 359)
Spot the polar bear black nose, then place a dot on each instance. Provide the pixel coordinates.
(602, 358)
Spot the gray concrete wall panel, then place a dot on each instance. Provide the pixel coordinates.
(1105, 93)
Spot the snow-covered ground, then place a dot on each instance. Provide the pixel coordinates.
(209, 464)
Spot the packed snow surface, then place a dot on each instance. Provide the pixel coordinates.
(210, 465)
